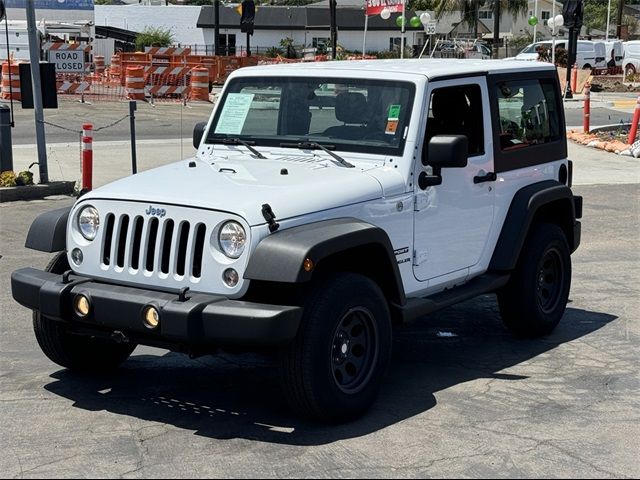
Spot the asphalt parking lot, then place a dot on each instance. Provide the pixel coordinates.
(462, 398)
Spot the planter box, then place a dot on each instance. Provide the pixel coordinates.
(33, 192)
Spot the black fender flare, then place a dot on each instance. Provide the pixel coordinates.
(280, 257)
(48, 232)
(526, 204)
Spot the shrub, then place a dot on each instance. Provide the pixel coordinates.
(7, 179)
(154, 37)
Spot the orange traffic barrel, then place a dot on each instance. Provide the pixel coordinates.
(115, 65)
(11, 81)
(134, 83)
(200, 83)
(98, 60)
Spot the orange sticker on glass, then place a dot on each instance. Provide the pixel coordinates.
(392, 127)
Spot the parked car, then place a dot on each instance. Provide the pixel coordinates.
(585, 56)
(311, 222)
(614, 53)
(631, 60)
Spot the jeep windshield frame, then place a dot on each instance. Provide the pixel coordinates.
(358, 115)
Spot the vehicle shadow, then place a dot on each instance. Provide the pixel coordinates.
(238, 396)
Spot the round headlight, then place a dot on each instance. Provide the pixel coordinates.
(88, 222)
(232, 239)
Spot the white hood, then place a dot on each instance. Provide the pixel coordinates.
(241, 185)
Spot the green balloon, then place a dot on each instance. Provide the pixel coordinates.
(415, 22)
(533, 20)
(400, 20)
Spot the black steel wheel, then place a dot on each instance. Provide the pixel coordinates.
(354, 350)
(534, 300)
(333, 369)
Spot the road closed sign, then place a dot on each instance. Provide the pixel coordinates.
(68, 61)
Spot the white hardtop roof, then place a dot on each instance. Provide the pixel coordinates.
(430, 68)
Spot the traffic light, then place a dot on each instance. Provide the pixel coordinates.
(573, 13)
(3, 11)
(248, 16)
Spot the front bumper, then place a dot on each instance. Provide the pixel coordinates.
(201, 319)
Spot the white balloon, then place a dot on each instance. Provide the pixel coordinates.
(558, 21)
(550, 23)
(425, 18)
(385, 13)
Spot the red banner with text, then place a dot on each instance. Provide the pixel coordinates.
(374, 7)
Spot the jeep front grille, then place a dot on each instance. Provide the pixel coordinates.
(168, 247)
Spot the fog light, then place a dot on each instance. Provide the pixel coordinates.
(230, 277)
(151, 317)
(76, 256)
(81, 305)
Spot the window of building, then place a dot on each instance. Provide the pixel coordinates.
(485, 14)
(320, 42)
(528, 112)
(545, 15)
(394, 43)
(457, 111)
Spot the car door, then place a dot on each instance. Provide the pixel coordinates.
(452, 220)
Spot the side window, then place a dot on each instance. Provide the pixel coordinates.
(457, 111)
(528, 111)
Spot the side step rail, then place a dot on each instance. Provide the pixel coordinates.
(419, 307)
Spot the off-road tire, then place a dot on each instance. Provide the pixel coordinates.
(344, 309)
(534, 300)
(75, 352)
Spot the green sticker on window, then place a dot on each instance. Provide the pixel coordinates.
(394, 112)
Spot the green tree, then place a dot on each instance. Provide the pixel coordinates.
(469, 10)
(154, 37)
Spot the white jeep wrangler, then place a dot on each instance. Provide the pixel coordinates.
(326, 203)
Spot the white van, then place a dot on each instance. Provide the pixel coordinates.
(631, 61)
(615, 53)
(585, 59)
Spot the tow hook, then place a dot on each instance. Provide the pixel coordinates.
(119, 337)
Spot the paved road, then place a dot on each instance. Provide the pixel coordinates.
(475, 404)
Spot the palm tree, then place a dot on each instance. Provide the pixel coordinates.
(469, 10)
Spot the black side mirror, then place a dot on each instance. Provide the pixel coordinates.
(443, 151)
(198, 133)
(447, 151)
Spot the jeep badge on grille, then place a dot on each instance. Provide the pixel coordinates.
(158, 212)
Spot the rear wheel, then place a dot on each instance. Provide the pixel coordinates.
(80, 353)
(534, 300)
(629, 70)
(333, 369)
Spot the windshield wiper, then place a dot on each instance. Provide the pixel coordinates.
(316, 145)
(237, 141)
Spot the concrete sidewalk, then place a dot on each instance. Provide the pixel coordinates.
(112, 160)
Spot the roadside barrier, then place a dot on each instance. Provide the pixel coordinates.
(200, 84)
(587, 108)
(11, 81)
(135, 83)
(634, 124)
(87, 157)
(574, 78)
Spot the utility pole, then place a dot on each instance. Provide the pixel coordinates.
(216, 26)
(619, 19)
(34, 55)
(334, 28)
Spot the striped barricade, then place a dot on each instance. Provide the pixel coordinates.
(168, 51)
(11, 82)
(70, 88)
(166, 90)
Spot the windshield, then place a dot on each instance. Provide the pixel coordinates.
(533, 48)
(353, 115)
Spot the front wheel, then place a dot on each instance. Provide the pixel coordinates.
(75, 352)
(534, 300)
(333, 369)
(629, 70)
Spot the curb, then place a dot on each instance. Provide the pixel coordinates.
(34, 192)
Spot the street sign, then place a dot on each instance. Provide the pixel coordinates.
(430, 28)
(68, 61)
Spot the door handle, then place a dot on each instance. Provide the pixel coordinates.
(488, 177)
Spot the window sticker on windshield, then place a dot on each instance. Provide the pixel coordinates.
(393, 120)
(234, 113)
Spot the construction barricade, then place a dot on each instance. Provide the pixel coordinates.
(11, 81)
